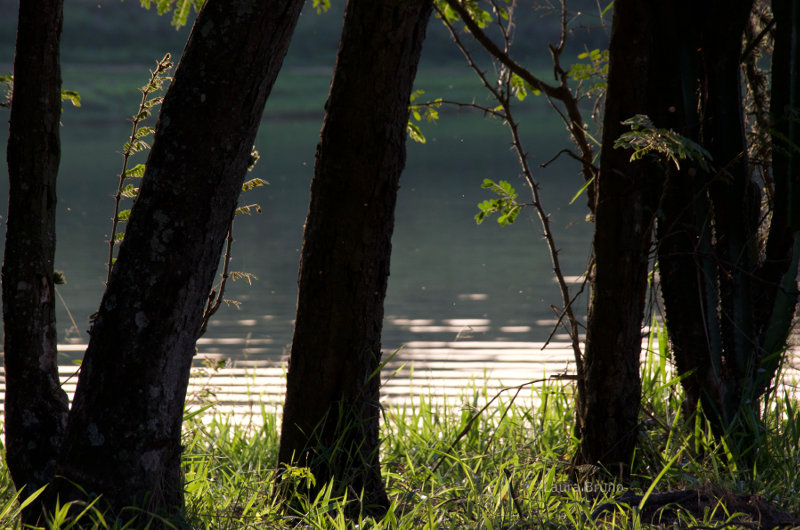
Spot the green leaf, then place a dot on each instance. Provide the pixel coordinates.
(254, 158)
(506, 204)
(415, 133)
(414, 95)
(246, 276)
(130, 191)
(153, 102)
(645, 139)
(580, 191)
(136, 171)
(143, 131)
(71, 96)
(246, 210)
(124, 215)
(321, 5)
(254, 183)
(519, 88)
(59, 278)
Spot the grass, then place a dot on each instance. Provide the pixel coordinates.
(503, 467)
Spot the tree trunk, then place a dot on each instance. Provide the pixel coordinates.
(728, 309)
(124, 433)
(688, 275)
(735, 199)
(35, 405)
(777, 293)
(627, 200)
(331, 413)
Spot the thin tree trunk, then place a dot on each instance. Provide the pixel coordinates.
(124, 433)
(627, 201)
(331, 413)
(35, 404)
(777, 293)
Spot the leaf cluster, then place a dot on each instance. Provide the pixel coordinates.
(506, 204)
(136, 143)
(180, 9)
(481, 17)
(428, 111)
(520, 88)
(594, 71)
(646, 139)
(321, 5)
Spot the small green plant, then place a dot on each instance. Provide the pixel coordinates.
(428, 112)
(591, 75)
(506, 204)
(136, 143)
(180, 9)
(126, 190)
(644, 139)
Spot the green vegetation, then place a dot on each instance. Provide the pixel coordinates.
(498, 467)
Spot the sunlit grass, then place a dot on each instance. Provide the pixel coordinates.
(463, 466)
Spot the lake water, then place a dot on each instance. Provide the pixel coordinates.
(450, 279)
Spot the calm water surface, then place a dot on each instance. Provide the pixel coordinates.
(450, 279)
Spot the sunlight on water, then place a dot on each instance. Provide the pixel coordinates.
(465, 373)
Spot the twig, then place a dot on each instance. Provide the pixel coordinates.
(460, 104)
(561, 92)
(141, 114)
(567, 152)
(477, 415)
(215, 297)
(503, 97)
(514, 497)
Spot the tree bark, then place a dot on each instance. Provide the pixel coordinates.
(728, 308)
(777, 289)
(735, 199)
(123, 437)
(35, 404)
(627, 199)
(331, 413)
(687, 270)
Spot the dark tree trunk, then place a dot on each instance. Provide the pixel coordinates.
(735, 199)
(35, 405)
(685, 253)
(330, 418)
(777, 291)
(123, 437)
(728, 309)
(627, 199)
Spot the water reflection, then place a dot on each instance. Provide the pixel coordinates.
(459, 373)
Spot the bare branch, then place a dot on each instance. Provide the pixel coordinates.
(215, 298)
(561, 92)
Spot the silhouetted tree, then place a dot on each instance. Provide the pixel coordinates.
(122, 437)
(331, 413)
(35, 405)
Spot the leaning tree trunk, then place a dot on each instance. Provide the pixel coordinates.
(124, 433)
(35, 404)
(626, 204)
(331, 413)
